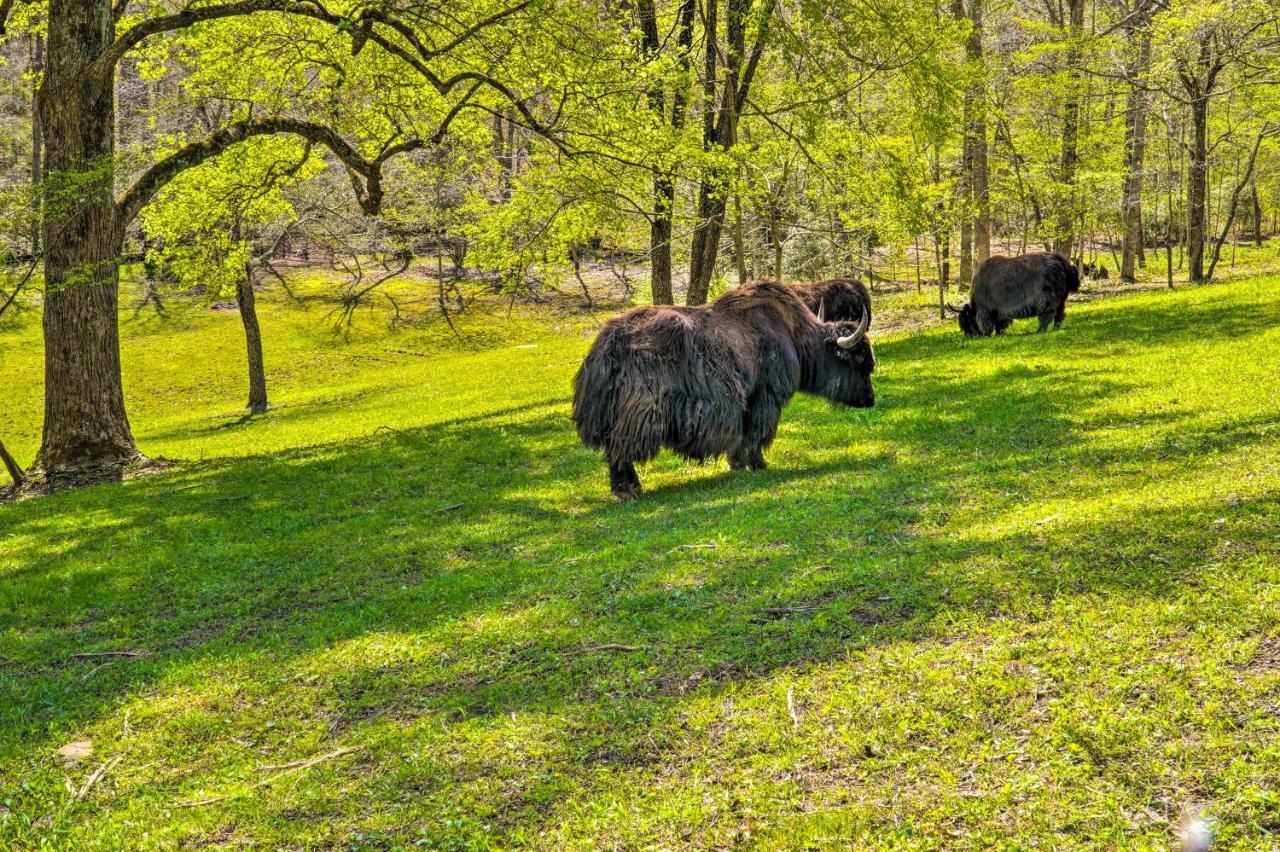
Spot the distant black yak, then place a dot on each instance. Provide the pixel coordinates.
(837, 299)
(1094, 271)
(1010, 288)
(712, 380)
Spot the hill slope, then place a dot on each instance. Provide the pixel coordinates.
(1034, 595)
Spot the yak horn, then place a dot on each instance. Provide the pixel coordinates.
(858, 333)
(953, 308)
(822, 310)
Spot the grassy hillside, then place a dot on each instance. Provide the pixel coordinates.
(1032, 598)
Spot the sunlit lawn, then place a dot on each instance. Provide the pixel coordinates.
(1031, 599)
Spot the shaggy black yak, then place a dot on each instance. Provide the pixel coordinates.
(712, 380)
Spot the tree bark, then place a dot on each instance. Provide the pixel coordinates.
(1135, 144)
(85, 425)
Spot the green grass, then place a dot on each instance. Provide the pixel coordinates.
(1032, 599)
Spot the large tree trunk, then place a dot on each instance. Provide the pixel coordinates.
(1197, 188)
(1135, 146)
(85, 426)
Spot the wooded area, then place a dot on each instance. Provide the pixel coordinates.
(714, 142)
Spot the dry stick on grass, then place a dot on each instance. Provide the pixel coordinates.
(791, 709)
(283, 768)
(612, 646)
(303, 764)
(97, 776)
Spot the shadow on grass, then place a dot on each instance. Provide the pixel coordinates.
(448, 533)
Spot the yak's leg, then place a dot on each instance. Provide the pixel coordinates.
(1045, 319)
(1000, 325)
(759, 426)
(624, 482)
(1058, 317)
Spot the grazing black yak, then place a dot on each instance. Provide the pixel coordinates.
(712, 380)
(837, 299)
(1010, 288)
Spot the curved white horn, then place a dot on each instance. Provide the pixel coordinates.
(822, 310)
(858, 333)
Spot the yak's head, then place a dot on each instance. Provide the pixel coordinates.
(846, 363)
(968, 318)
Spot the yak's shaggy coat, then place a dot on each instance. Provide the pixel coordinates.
(1010, 288)
(712, 380)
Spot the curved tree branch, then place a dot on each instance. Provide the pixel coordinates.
(369, 194)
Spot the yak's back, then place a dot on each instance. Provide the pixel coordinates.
(1006, 281)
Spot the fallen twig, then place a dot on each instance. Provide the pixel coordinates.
(791, 708)
(97, 776)
(786, 610)
(196, 803)
(612, 646)
(93, 671)
(86, 654)
(282, 769)
(448, 508)
(303, 764)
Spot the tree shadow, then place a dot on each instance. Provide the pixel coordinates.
(491, 543)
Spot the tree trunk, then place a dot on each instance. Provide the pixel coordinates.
(1257, 213)
(660, 242)
(664, 187)
(719, 129)
(37, 143)
(1135, 144)
(975, 226)
(1197, 188)
(976, 142)
(11, 465)
(739, 240)
(1235, 203)
(85, 426)
(1064, 233)
(253, 341)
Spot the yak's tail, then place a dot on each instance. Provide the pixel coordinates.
(618, 397)
(595, 394)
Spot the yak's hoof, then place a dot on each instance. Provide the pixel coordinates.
(624, 494)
